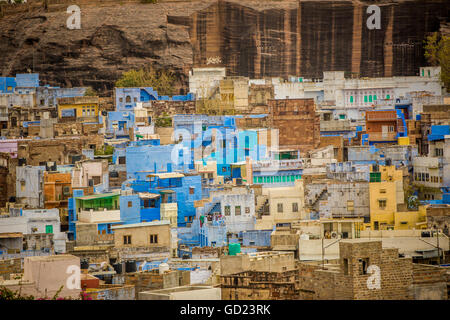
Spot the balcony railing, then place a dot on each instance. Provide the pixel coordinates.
(381, 117)
(383, 136)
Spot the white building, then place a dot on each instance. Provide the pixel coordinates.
(203, 81)
(36, 221)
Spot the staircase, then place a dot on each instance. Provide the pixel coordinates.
(322, 192)
(264, 207)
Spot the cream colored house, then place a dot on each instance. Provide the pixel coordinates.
(286, 204)
(146, 234)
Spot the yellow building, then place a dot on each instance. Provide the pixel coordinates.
(78, 108)
(387, 204)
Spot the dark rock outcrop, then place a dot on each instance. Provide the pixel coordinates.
(250, 38)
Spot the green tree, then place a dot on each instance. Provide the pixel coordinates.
(437, 53)
(160, 80)
(90, 92)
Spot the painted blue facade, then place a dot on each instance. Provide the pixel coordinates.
(134, 209)
(232, 145)
(185, 189)
(27, 80)
(126, 98)
(256, 238)
(438, 132)
(7, 84)
(72, 214)
(147, 159)
(119, 123)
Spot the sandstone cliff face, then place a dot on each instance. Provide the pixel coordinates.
(248, 37)
(308, 37)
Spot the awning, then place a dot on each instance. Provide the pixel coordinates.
(148, 195)
(167, 175)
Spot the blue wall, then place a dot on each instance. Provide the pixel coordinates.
(258, 237)
(6, 82)
(143, 94)
(150, 159)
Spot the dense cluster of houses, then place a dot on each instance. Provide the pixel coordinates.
(301, 184)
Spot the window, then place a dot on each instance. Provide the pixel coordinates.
(22, 185)
(350, 205)
(363, 265)
(280, 207)
(128, 99)
(130, 204)
(49, 228)
(237, 210)
(153, 238)
(127, 239)
(121, 99)
(227, 210)
(122, 160)
(66, 190)
(345, 266)
(191, 190)
(351, 99)
(439, 152)
(382, 190)
(247, 210)
(382, 204)
(294, 207)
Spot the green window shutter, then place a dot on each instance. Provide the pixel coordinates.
(342, 116)
(423, 72)
(49, 229)
(365, 98)
(388, 96)
(351, 99)
(254, 179)
(375, 97)
(284, 178)
(370, 98)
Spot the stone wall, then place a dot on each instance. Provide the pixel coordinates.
(254, 285)
(297, 122)
(9, 266)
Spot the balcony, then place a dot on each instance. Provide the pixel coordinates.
(99, 216)
(383, 136)
(381, 116)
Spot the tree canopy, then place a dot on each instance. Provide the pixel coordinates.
(160, 80)
(437, 52)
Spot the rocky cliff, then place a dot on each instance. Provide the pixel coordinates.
(248, 37)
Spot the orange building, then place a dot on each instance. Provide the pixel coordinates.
(383, 126)
(57, 191)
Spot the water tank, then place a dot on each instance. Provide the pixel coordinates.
(84, 264)
(234, 248)
(130, 266)
(163, 268)
(118, 267)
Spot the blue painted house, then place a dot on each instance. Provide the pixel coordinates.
(126, 98)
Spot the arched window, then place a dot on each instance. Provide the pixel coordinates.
(128, 99)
